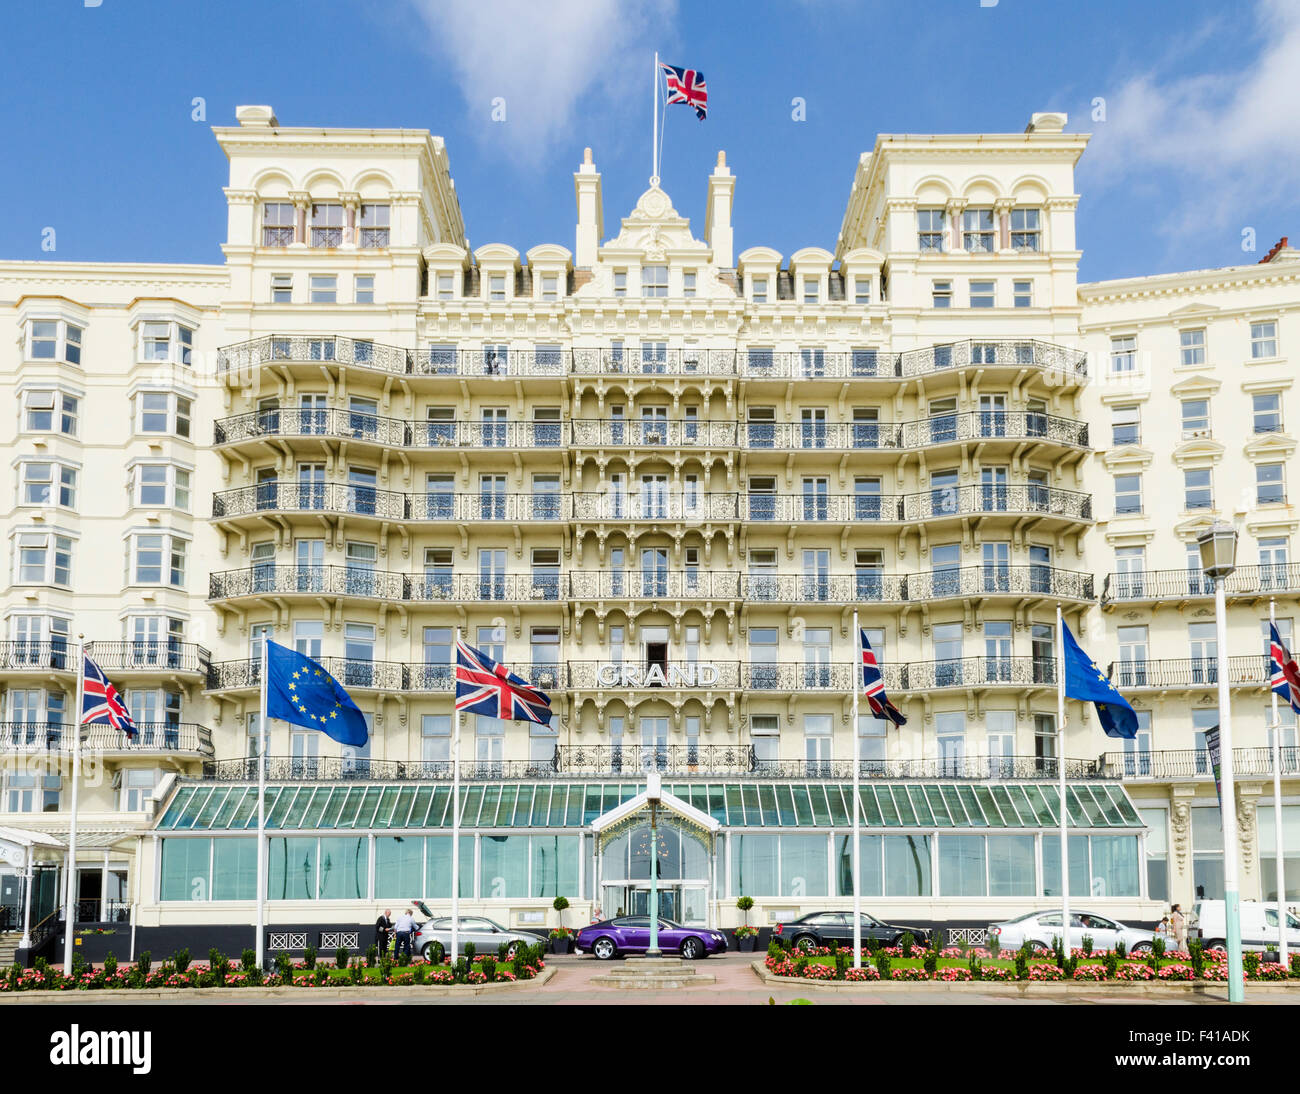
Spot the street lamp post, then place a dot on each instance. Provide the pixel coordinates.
(653, 793)
(1218, 547)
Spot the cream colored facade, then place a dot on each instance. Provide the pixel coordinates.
(654, 475)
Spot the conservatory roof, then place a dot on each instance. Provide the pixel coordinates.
(198, 806)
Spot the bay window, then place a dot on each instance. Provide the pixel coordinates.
(54, 340)
(43, 558)
(157, 559)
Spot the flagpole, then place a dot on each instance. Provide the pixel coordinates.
(70, 880)
(1060, 766)
(1277, 805)
(455, 809)
(261, 809)
(654, 147)
(857, 801)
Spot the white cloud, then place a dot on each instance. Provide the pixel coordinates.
(548, 59)
(1219, 145)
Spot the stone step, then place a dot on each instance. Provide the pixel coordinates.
(652, 983)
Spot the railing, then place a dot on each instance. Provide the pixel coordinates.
(1044, 356)
(1189, 672)
(759, 363)
(994, 579)
(824, 588)
(95, 910)
(671, 675)
(382, 675)
(508, 588)
(612, 433)
(273, 578)
(653, 505)
(21, 655)
(393, 432)
(498, 361)
(689, 759)
(939, 429)
(633, 361)
(332, 769)
(647, 584)
(1195, 763)
(150, 737)
(149, 655)
(944, 767)
(1280, 577)
(978, 672)
(945, 501)
(314, 348)
(348, 498)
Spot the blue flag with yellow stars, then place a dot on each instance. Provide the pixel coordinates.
(1084, 680)
(298, 690)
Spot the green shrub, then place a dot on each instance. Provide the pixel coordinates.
(284, 966)
(15, 974)
(460, 970)
(322, 975)
(182, 960)
(219, 963)
(1196, 951)
(248, 960)
(1250, 962)
(906, 943)
(1071, 963)
(1111, 961)
(745, 903)
(1121, 950)
(437, 955)
(489, 967)
(995, 946)
(841, 964)
(309, 957)
(110, 965)
(1022, 962)
(1158, 946)
(503, 952)
(421, 973)
(882, 966)
(834, 946)
(470, 951)
(78, 965)
(143, 963)
(341, 956)
(872, 945)
(1087, 945)
(800, 963)
(356, 973)
(372, 954)
(930, 962)
(774, 950)
(560, 903)
(973, 964)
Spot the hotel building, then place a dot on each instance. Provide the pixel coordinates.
(657, 476)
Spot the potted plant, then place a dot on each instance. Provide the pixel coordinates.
(561, 939)
(745, 934)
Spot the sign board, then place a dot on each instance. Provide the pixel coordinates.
(700, 674)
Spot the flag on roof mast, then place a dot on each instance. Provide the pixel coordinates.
(1085, 681)
(686, 86)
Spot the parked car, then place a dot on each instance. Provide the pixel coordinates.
(486, 934)
(631, 934)
(1040, 928)
(1259, 926)
(819, 928)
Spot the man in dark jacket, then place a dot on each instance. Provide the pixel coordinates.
(383, 926)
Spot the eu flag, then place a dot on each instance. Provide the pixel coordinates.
(1083, 680)
(298, 690)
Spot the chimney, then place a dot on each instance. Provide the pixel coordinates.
(256, 117)
(1277, 248)
(717, 214)
(1047, 123)
(591, 216)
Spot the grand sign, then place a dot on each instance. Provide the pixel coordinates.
(701, 674)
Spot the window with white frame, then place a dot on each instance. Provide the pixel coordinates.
(497, 287)
(372, 220)
(446, 286)
(157, 559)
(758, 289)
(654, 281)
(862, 291)
(1123, 354)
(54, 340)
(162, 412)
(435, 739)
(363, 289)
(43, 558)
(137, 786)
(1266, 412)
(765, 735)
(45, 410)
(1125, 425)
(941, 294)
(282, 288)
(1270, 487)
(1263, 339)
(620, 282)
(550, 288)
(277, 223)
(32, 793)
(1197, 489)
(1128, 494)
(977, 230)
(688, 283)
(811, 290)
(323, 289)
(1022, 294)
(47, 483)
(981, 294)
(1191, 347)
(1196, 417)
(326, 224)
(1026, 232)
(929, 229)
(162, 485)
(166, 341)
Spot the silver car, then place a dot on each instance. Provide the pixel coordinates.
(486, 934)
(1040, 928)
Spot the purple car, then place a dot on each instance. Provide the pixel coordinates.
(631, 934)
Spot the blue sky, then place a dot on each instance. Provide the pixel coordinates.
(1199, 143)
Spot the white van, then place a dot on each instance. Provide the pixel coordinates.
(1259, 926)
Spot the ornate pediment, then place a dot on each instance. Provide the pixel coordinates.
(654, 228)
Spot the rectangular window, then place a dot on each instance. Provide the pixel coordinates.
(497, 287)
(446, 286)
(49, 484)
(981, 294)
(1191, 347)
(1196, 418)
(811, 290)
(158, 560)
(44, 340)
(1022, 293)
(620, 282)
(43, 559)
(324, 289)
(326, 224)
(941, 294)
(162, 412)
(654, 280)
(1197, 490)
(1128, 494)
(363, 289)
(977, 231)
(372, 220)
(1270, 489)
(929, 229)
(277, 223)
(1125, 426)
(862, 291)
(282, 288)
(758, 289)
(157, 341)
(550, 288)
(1123, 354)
(1025, 230)
(1267, 412)
(1263, 340)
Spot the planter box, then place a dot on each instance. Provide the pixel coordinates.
(561, 945)
(746, 945)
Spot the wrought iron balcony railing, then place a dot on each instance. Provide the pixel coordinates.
(314, 348)
(21, 655)
(151, 737)
(496, 361)
(936, 430)
(824, 588)
(980, 768)
(391, 432)
(652, 584)
(1195, 763)
(977, 672)
(1032, 353)
(947, 501)
(1247, 670)
(351, 499)
(654, 362)
(593, 505)
(1280, 577)
(994, 580)
(348, 671)
(632, 759)
(614, 433)
(336, 769)
(150, 655)
(531, 588)
(283, 579)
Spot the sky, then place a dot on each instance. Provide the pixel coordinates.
(1194, 160)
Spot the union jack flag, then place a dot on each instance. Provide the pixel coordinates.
(686, 85)
(101, 705)
(873, 686)
(485, 687)
(1285, 677)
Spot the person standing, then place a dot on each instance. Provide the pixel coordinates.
(405, 927)
(383, 927)
(1178, 927)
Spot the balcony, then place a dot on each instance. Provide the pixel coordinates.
(278, 579)
(535, 588)
(980, 768)
(1195, 763)
(342, 769)
(1245, 671)
(20, 655)
(654, 585)
(936, 504)
(1068, 365)
(1157, 585)
(616, 433)
(314, 349)
(347, 499)
(494, 361)
(154, 656)
(632, 361)
(657, 505)
(992, 425)
(352, 425)
(998, 580)
(977, 672)
(668, 675)
(631, 760)
(152, 738)
(365, 674)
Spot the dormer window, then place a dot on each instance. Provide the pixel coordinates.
(550, 288)
(374, 225)
(277, 224)
(811, 290)
(54, 340)
(688, 283)
(326, 224)
(620, 282)
(862, 291)
(759, 290)
(446, 286)
(654, 281)
(497, 287)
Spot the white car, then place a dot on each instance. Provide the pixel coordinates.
(1040, 928)
(1259, 928)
